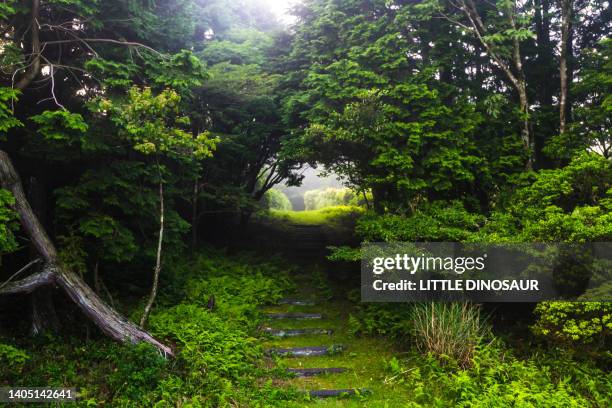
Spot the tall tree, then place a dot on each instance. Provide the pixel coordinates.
(500, 35)
(566, 18)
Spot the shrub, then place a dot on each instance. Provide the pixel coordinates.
(12, 357)
(138, 369)
(208, 342)
(276, 200)
(438, 221)
(391, 320)
(568, 204)
(217, 352)
(499, 379)
(237, 297)
(574, 323)
(449, 330)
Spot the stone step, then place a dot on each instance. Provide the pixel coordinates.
(296, 302)
(311, 372)
(293, 316)
(336, 393)
(306, 351)
(296, 332)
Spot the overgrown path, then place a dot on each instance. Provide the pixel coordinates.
(362, 360)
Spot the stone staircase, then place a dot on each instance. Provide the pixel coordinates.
(309, 351)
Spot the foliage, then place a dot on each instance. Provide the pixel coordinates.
(7, 9)
(242, 109)
(389, 320)
(219, 342)
(113, 221)
(138, 370)
(438, 221)
(12, 357)
(153, 125)
(241, 47)
(328, 197)
(591, 128)
(61, 125)
(8, 222)
(497, 378)
(575, 324)
(8, 97)
(210, 344)
(275, 199)
(402, 100)
(569, 204)
(217, 351)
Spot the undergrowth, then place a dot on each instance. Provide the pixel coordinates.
(218, 356)
(496, 378)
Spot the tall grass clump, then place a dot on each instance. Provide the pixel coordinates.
(449, 330)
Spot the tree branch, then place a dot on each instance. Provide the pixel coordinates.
(25, 268)
(31, 283)
(105, 40)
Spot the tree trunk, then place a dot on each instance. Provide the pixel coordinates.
(526, 134)
(34, 68)
(521, 85)
(545, 54)
(107, 319)
(157, 270)
(516, 78)
(44, 318)
(194, 218)
(547, 67)
(566, 16)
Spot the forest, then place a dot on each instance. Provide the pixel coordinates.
(152, 153)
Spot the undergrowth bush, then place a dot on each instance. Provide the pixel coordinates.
(382, 319)
(217, 348)
(12, 357)
(138, 370)
(575, 324)
(449, 331)
(498, 379)
(218, 355)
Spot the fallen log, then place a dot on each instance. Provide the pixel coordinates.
(105, 317)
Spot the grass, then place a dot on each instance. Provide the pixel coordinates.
(323, 216)
(449, 330)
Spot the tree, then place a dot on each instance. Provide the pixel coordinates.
(73, 52)
(375, 113)
(500, 35)
(242, 109)
(566, 16)
(151, 123)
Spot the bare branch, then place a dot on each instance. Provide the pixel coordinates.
(31, 283)
(25, 268)
(106, 40)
